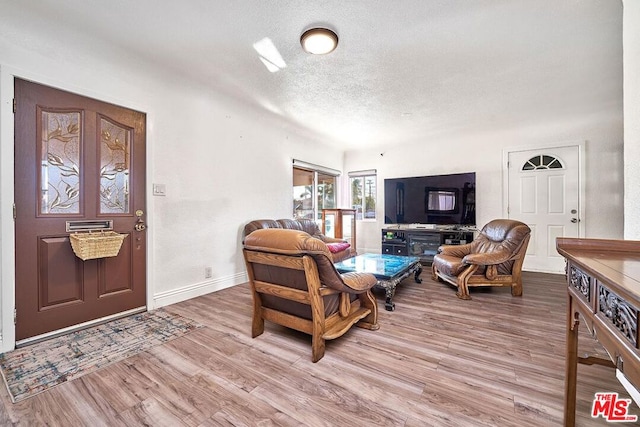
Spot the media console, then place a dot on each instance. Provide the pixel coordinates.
(422, 242)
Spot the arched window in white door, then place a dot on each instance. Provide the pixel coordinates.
(542, 161)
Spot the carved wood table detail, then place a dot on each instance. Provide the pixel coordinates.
(603, 289)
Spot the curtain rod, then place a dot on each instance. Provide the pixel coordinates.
(310, 166)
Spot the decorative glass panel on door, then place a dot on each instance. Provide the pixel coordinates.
(115, 152)
(59, 180)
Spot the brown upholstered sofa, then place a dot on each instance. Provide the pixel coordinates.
(339, 248)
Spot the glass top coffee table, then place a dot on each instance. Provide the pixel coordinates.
(388, 269)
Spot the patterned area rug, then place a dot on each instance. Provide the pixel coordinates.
(33, 369)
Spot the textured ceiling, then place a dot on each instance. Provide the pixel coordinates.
(404, 71)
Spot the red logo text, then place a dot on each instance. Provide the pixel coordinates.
(612, 408)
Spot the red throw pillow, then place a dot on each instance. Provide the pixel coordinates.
(337, 247)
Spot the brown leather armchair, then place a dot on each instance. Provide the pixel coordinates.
(494, 258)
(295, 284)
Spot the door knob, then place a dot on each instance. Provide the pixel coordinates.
(575, 220)
(140, 225)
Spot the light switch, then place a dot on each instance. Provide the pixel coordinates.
(159, 190)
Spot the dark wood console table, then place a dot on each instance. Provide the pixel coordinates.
(603, 286)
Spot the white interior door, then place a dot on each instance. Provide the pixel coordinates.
(544, 193)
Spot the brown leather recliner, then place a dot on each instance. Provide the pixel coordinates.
(340, 249)
(295, 284)
(494, 258)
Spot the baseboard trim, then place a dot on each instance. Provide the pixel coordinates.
(173, 296)
(537, 270)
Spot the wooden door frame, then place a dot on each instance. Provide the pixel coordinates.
(7, 225)
(545, 146)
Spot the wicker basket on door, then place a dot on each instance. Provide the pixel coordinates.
(96, 245)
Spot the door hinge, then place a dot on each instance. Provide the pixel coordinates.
(15, 105)
(15, 316)
(14, 212)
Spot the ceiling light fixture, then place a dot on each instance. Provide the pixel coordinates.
(319, 41)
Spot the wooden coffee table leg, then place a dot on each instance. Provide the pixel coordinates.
(389, 286)
(389, 291)
(416, 275)
(389, 305)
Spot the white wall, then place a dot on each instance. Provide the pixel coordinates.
(631, 49)
(457, 152)
(599, 127)
(223, 164)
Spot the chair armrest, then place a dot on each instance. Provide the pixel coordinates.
(326, 239)
(490, 258)
(458, 251)
(358, 282)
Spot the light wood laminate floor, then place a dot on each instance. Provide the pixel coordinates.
(496, 360)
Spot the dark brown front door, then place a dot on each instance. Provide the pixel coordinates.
(79, 163)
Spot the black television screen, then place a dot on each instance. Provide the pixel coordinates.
(436, 199)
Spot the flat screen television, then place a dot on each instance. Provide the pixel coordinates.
(435, 199)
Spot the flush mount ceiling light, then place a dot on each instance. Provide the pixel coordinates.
(319, 41)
